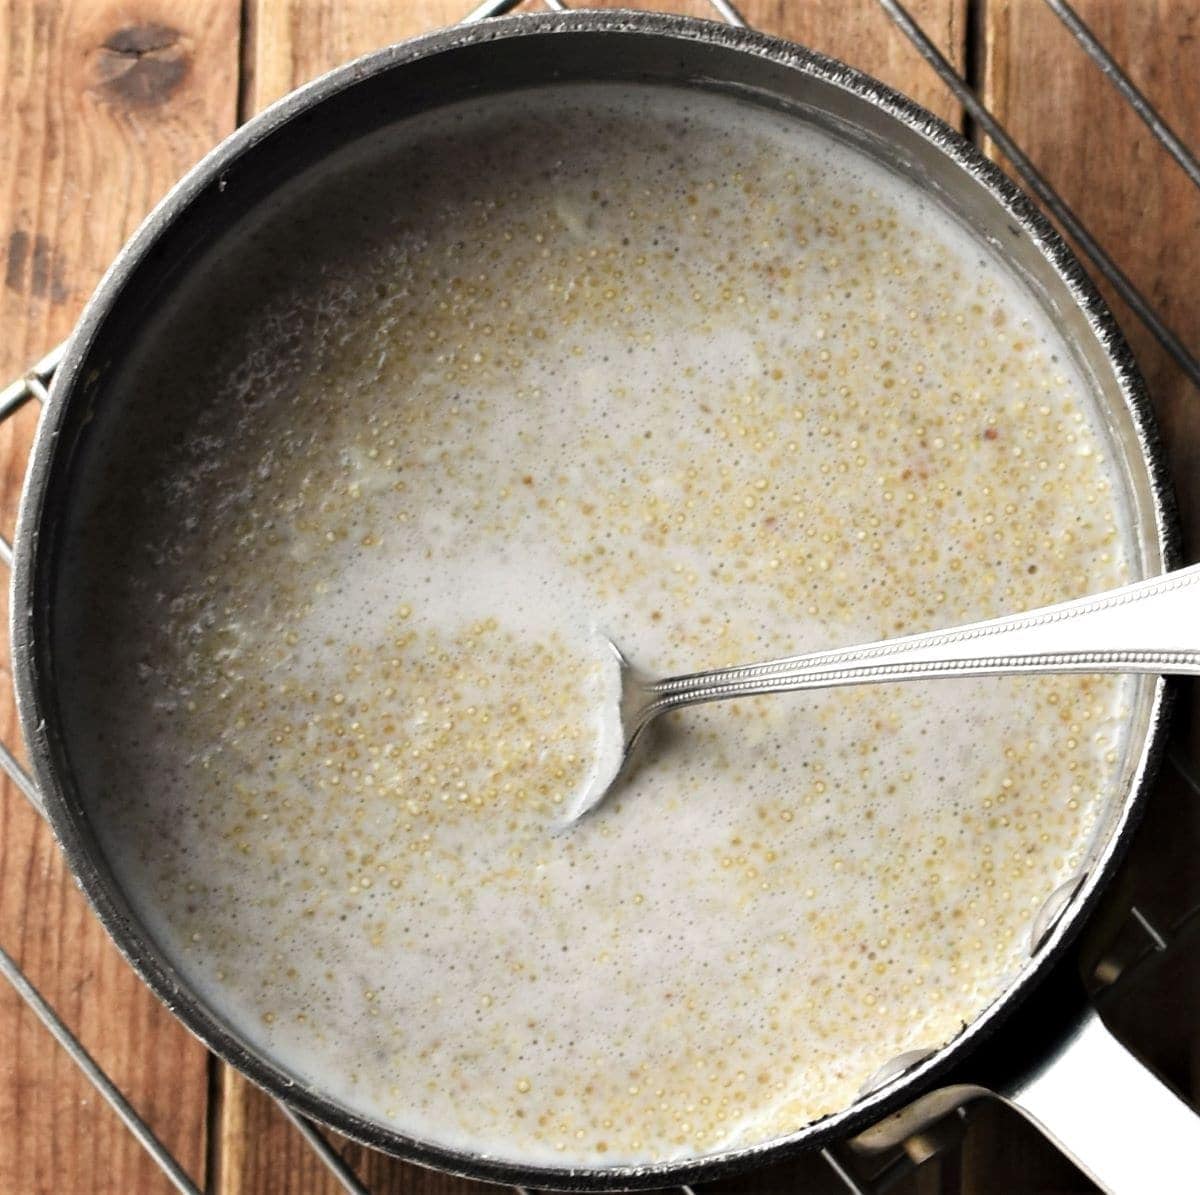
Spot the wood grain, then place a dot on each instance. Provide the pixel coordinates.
(1135, 200)
(296, 40)
(103, 106)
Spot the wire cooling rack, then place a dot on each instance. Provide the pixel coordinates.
(1149, 938)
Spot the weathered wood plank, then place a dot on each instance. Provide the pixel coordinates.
(296, 40)
(102, 106)
(1108, 167)
(1105, 163)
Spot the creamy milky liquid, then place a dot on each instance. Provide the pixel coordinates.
(642, 362)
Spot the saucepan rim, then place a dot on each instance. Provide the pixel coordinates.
(33, 573)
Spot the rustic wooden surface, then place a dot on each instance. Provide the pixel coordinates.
(102, 105)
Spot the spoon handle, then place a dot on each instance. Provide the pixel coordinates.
(1150, 626)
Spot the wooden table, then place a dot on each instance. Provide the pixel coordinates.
(103, 104)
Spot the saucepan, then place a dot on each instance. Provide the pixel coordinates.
(1038, 1046)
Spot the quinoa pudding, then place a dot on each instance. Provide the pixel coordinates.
(626, 360)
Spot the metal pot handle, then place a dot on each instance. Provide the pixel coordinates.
(1057, 1064)
(1120, 1124)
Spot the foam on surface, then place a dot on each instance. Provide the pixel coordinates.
(658, 363)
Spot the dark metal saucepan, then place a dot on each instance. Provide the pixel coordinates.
(1039, 1046)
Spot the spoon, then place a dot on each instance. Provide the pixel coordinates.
(1150, 626)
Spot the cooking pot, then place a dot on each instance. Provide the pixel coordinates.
(1038, 1045)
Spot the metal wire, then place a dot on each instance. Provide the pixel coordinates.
(1151, 930)
(34, 384)
(848, 1180)
(1162, 131)
(1186, 770)
(489, 8)
(1044, 191)
(345, 1177)
(22, 779)
(729, 14)
(497, 8)
(98, 1079)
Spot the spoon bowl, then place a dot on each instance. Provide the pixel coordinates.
(1146, 626)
